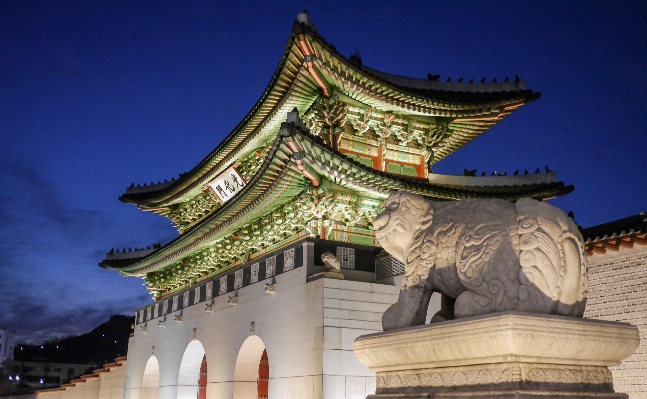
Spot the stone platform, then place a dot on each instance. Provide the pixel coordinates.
(502, 355)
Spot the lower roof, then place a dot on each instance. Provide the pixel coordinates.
(296, 160)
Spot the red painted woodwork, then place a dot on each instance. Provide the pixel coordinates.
(263, 376)
(202, 380)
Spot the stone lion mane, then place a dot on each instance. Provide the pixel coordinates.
(489, 255)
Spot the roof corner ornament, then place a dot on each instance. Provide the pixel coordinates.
(304, 18)
(294, 118)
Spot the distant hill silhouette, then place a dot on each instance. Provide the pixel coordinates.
(102, 345)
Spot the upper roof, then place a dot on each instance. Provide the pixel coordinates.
(310, 67)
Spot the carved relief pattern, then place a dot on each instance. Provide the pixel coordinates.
(185, 299)
(490, 255)
(329, 118)
(175, 303)
(252, 163)
(270, 266)
(196, 298)
(254, 273)
(189, 213)
(317, 212)
(288, 260)
(223, 285)
(209, 290)
(495, 374)
(238, 279)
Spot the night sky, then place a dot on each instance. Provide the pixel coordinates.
(97, 95)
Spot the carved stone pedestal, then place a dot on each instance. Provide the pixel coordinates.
(502, 355)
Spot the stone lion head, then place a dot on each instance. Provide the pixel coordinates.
(331, 261)
(404, 215)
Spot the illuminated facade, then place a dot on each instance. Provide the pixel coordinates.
(244, 306)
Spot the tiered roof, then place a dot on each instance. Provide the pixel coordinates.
(310, 67)
(352, 136)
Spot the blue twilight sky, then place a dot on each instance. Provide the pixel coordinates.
(97, 95)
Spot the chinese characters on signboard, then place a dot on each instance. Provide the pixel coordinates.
(227, 184)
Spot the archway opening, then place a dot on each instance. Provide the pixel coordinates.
(190, 380)
(252, 372)
(151, 379)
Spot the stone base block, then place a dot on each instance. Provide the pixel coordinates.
(502, 355)
(317, 276)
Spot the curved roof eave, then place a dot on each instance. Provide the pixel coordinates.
(459, 103)
(263, 193)
(258, 194)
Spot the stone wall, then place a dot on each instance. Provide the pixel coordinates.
(618, 292)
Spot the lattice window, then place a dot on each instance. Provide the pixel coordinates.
(254, 273)
(238, 280)
(387, 266)
(185, 300)
(149, 313)
(175, 303)
(196, 299)
(156, 310)
(223, 285)
(141, 316)
(346, 257)
(288, 260)
(165, 307)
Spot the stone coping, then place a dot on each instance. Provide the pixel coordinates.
(499, 337)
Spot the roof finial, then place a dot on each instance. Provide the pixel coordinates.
(304, 19)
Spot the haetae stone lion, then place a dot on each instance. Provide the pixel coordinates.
(489, 255)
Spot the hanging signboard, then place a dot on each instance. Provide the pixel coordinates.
(227, 184)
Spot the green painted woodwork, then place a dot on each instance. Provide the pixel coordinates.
(279, 205)
(316, 212)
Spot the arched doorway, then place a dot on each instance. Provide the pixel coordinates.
(191, 381)
(252, 371)
(151, 379)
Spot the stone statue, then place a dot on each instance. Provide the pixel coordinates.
(488, 255)
(331, 262)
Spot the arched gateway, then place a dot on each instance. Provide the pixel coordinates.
(190, 375)
(258, 213)
(151, 379)
(251, 374)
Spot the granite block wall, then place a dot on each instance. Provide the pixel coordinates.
(618, 292)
